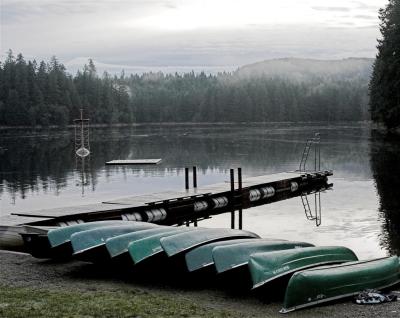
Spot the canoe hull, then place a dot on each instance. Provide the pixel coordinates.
(202, 257)
(150, 247)
(180, 243)
(330, 283)
(63, 234)
(227, 258)
(86, 244)
(266, 267)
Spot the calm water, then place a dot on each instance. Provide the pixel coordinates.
(39, 170)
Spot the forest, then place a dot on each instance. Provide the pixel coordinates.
(384, 87)
(44, 94)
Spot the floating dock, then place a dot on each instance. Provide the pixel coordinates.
(134, 162)
(172, 207)
(177, 206)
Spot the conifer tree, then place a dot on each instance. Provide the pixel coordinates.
(385, 81)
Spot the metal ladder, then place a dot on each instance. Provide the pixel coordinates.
(306, 152)
(307, 209)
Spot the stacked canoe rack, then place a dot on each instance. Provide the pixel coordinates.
(309, 274)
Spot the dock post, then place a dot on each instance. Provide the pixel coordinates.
(241, 198)
(186, 178)
(194, 177)
(232, 173)
(195, 222)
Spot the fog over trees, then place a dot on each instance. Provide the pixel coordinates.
(43, 93)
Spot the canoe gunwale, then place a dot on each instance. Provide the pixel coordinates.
(147, 256)
(213, 240)
(294, 270)
(316, 302)
(88, 248)
(233, 267)
(118, 254)
(200, 267)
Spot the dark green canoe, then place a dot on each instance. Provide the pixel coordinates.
(119, 245)
(90, 245)
(201, 257)
(319, 285)
(63, 234)
(233, 256)
(183, 242)
(265, 267)
(145, 248)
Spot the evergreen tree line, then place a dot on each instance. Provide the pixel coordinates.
(44, 94)
(385, 82)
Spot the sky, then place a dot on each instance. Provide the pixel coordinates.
(173, 34)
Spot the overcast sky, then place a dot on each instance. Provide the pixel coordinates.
(189, 33)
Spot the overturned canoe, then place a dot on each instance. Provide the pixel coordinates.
(90, 245)
(265, 267)
(56, 243)
(145, 248)
(118, 245)
(233, 256)
(319, 285)
(62, 235)
(183, 242)
(201, 257)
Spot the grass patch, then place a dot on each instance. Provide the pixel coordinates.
(30, 302)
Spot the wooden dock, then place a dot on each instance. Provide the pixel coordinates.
(169, 207)
(178, 206)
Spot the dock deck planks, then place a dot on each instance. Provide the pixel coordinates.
(127, 203)
(134, 162)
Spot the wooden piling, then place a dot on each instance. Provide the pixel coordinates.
(194, 177)
(232, 175)
(186, 178)
(240, 188)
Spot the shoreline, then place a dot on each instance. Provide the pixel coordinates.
(25, 275)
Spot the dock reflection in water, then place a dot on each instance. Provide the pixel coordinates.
(38, 171)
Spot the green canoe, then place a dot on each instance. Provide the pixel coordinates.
(319, 285)
(201, 256)
(233, 256)
(183, 242)
(145, 248)
(88, 245)
(265, 267)
(119, 245)
(63, 234)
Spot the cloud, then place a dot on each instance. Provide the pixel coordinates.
(230, 35)
(332, 9)
(366, 17)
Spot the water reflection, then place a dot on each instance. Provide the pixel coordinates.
(385, 158)
(46, 160)
(39, 171)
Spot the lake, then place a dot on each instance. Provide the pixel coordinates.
(40, 170)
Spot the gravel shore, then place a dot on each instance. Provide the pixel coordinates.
(22, 270)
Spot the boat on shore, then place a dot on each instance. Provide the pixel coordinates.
(202, 256)
(183, 242)
(266, 267)
(117, 247)
(323, 284)
(230, 257)
(150, 247)
(90, 245)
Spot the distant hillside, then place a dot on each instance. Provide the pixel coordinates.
(305, 69)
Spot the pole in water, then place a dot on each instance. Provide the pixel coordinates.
(194, 177)
(186, 178)
(241, 197)
(232, 174)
